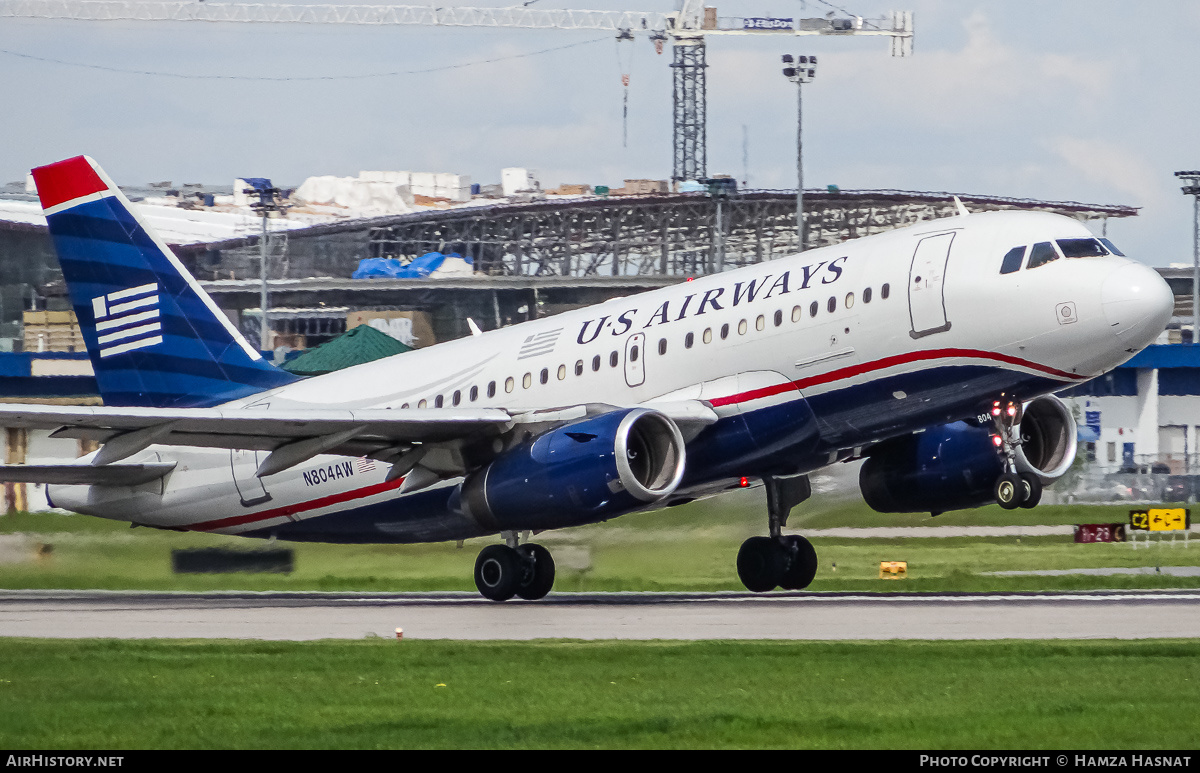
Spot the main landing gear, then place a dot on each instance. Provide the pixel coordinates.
(504, 571)
(765, 563)
(1012, 489)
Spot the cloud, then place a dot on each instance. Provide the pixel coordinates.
(1116, 168)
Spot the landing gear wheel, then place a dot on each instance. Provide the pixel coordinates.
(1031, 489)
(803, 563)
(498, 572)
(1009, 491)
(761, 564)
(538, 576)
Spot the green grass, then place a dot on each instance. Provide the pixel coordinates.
(688, 548)
(429, 694)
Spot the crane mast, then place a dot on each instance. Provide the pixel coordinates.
(686, 28)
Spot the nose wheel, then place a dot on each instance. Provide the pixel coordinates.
(1012, 489)
(504, 571)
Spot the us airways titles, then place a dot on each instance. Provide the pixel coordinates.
(718, 298)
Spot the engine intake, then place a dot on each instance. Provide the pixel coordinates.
(587, 471)
(954, 466)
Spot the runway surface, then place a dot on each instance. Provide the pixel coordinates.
(813, 616)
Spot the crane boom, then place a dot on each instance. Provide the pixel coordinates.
(684, 21)
(686, 28)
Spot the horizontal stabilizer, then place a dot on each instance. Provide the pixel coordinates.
(84, 474)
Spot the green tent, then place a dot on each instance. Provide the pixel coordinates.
(354, 347)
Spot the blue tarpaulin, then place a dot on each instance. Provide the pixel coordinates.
(392, 268)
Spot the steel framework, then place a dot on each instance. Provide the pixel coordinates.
(690, 109)
(671, 235)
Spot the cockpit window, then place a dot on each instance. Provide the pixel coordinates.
(1112, 247)
(1082, 248)
(1012, 260)
(1042, 253)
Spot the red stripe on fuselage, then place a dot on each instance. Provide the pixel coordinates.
(931, 354)
(299, 507)
(66, 180)
(887, 362)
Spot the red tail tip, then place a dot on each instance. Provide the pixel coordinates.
(64, 181)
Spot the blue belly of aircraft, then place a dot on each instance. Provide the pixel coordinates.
(796, 436)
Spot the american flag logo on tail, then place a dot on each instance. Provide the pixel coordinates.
(127, 319)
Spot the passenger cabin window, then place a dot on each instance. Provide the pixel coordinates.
(1041, 254)
(867, 295)
(885, 291)
(1012, 260)
(1081, 248)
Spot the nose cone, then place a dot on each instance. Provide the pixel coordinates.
(1137, 303)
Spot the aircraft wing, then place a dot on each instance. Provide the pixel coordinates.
(125, 431)
(292, 434)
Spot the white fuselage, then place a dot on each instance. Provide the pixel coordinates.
(880, 336)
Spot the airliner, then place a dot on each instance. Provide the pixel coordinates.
(932, 352)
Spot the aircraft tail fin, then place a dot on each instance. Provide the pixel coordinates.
(155, 338)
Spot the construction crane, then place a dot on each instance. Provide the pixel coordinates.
(686, 28)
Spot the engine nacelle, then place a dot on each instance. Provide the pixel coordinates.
(583, 472)
(955, 466)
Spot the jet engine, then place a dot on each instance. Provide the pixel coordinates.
(955, 466)
(587, 471)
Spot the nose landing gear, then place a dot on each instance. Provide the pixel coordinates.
(1012, 489)
(765, 563)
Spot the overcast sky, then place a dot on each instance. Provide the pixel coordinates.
(1084, 101)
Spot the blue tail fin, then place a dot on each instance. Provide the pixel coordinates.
(154, 336)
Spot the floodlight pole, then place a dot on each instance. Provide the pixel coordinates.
(1193, 189)
(800, 70)
(266, 204)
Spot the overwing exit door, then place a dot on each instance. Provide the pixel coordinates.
(635, 359)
